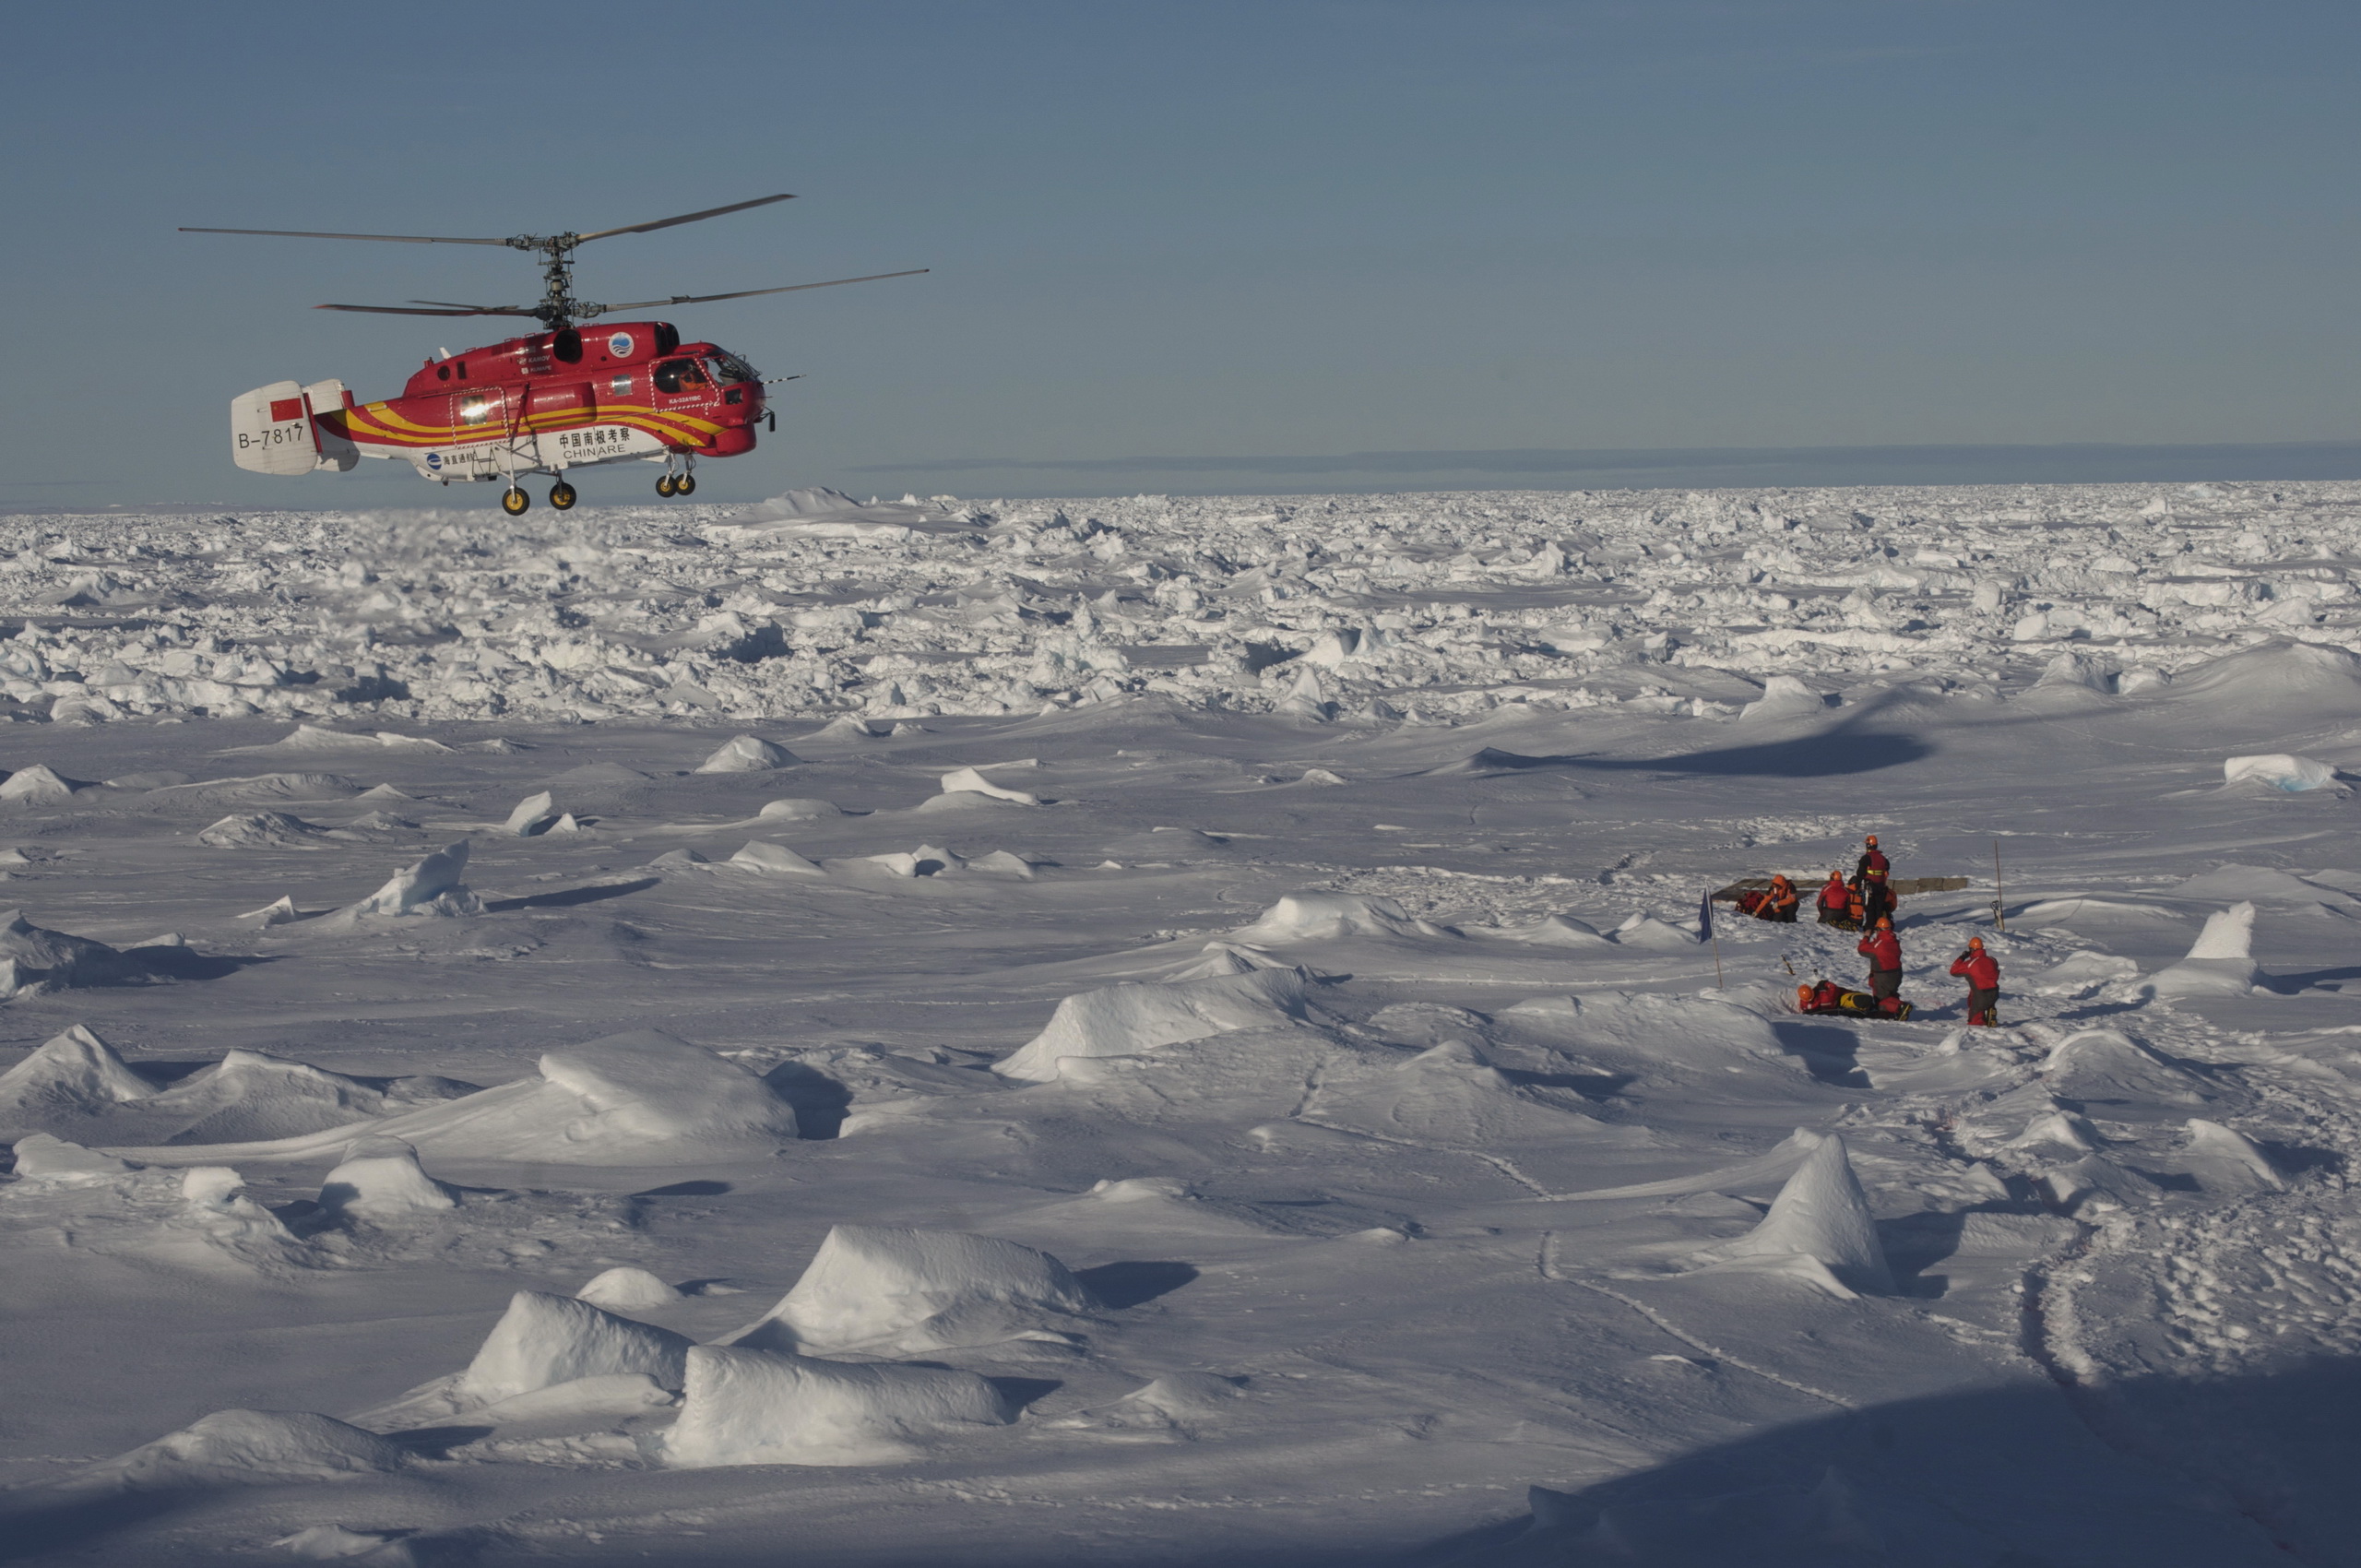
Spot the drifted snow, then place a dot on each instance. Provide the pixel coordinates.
(545, 1340)
(748, 754)
(761, 1407)
(1123, 1020)
(1360, 1276)
(250, 1446)
(885, 1289)
(1823, 1215)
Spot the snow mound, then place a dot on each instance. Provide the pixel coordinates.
(369, 1548)
(316, 738)
(794, 808)
(2080, 974)
(626, 1290)
(887, 1290)
(1450, 1094)
(757, 1407)
(1491, 760)
(544, 1340)
(1123, 1020)
(70, 1078)
(772, 860)
(2228, 1161)
(2105, 1067)
(638, 1098)
(1549, 930)
(261, 831)
(258, 789)
(37, 785)
(248, 1096)
(2283, 771)
(1785, 697)
(967, 781)
(430, 887)
(381, 1179)
(34, 959)
(1822, 1214)
(748, 754)
(1306, 698)
(1645, 931)
(250, 1446)
(2219, 963)
(534, 815)
(2288, 680)
(1168, 1409)
(42, 1157)
(1325, 917)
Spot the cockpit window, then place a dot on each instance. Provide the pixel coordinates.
(680, 375)
(728, 368)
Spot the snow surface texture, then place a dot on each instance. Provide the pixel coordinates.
(468, 971)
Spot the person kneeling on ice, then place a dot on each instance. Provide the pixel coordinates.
(1776, 902)
(1982, 972)
(1836, 902)
(1883, 950)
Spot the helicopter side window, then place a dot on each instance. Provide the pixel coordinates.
(679, 376)
(475, 409)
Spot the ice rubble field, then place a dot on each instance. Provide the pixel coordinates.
(1159, 1031)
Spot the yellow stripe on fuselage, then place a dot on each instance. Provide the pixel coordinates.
(392, 429)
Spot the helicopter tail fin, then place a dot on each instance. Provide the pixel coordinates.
(274, 429)
(270, 431)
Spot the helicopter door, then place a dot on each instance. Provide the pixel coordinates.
(481, 413)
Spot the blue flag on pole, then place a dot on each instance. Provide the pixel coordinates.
(1706, 916)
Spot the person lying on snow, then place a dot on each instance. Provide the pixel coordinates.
(1776, 902)
(1829, 997)
(1982, 972)
(1836, 902)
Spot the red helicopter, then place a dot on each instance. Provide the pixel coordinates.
(556, 399)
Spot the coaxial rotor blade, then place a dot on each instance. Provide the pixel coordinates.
(457, 304)
(750, 293)
(309, 235)
(407, 310)
(684, 218)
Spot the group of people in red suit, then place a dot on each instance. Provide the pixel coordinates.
(1865, 902)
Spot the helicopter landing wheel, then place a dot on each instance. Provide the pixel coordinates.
(513, 502)
(562, 495)
(685, 485)
(664, 486)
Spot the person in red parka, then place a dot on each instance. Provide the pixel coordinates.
(1982, 972)
(1883, 950)
(1835, 900)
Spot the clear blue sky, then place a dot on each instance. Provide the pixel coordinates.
(1171, 241)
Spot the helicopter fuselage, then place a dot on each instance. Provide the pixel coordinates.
(554, 400)
(543, 403)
